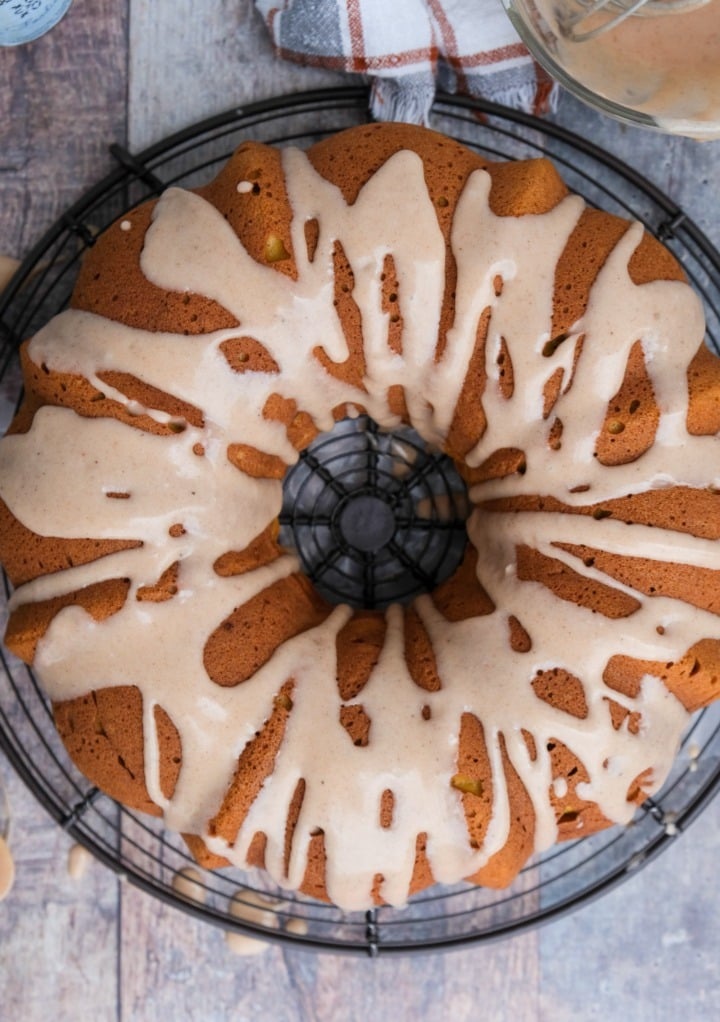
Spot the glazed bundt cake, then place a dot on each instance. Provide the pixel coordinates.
(554, 352)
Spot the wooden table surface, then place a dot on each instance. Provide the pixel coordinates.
(133, 71)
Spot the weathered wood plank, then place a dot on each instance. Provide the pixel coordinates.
(647, 951)
(184, 970)
(189, 62)
(62, 101)
(58, 935)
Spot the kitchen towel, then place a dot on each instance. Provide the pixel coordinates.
(410, 47)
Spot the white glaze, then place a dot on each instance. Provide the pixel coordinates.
(666, 66)
(7, 869)
(190, 247)
(244, 946)
(78, 860)
(188, 883)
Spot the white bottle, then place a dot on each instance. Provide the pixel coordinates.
(21, 21)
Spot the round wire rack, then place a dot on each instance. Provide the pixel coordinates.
(136, 846)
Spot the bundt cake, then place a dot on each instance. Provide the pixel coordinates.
(553, 351)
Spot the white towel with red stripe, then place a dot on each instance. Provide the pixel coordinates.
(410, 47)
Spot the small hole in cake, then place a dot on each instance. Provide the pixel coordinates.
(551, 346)
(569, 816)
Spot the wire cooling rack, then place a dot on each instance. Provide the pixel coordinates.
(136, 846)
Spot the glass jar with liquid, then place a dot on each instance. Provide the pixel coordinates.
(21, 21)
(658, 67)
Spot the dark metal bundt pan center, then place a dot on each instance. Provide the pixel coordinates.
(137, 846)
(375, 517)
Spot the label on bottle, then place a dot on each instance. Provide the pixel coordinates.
(21, 21)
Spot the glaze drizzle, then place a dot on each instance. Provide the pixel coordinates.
(412, 749)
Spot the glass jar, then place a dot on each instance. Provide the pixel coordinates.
(21, 21)
(658, 68)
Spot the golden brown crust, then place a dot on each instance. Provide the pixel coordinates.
(301, 430)
(632, 416)
(111, 284)
(256, 463)
(67, 390)
(570, 585)
(694, 679)
(246, 355)
(264, 549)
(504, 865)
(704, 389)
(562, 690)
(462, 595)
(358, 646)
(420, 654)
(699, 587)
(260, 216)
(352, 370)
(255, 764)
(27, 556)
(249, 636)
(520, 641)
(356, 722)
(469, 421)
(29, 622)
(680, 508)
(103, 733)
(164, 589)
